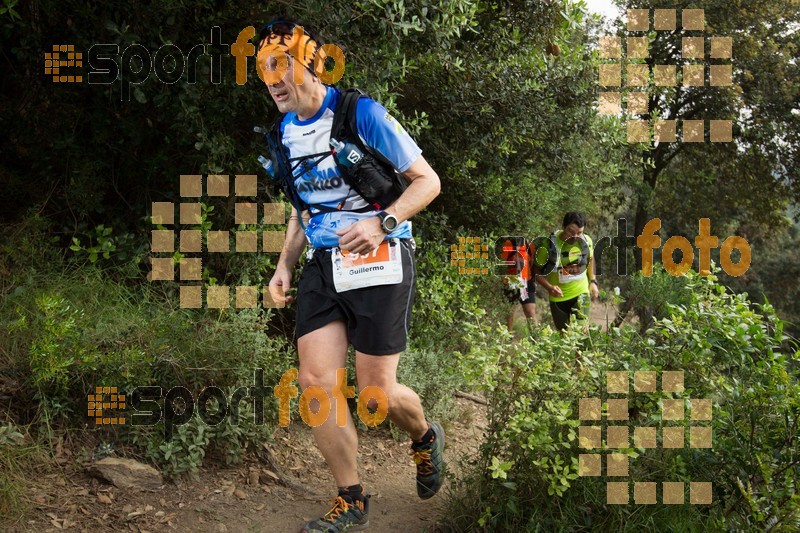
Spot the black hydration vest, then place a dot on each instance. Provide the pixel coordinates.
(373, 177)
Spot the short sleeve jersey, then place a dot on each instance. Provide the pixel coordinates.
(578, 253)
(317, 179)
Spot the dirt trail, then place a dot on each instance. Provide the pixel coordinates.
(224, 500)
(601, 313)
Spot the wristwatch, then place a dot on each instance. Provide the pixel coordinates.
(594, 281)
(388, 222)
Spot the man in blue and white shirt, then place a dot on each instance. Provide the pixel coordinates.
(345, 298)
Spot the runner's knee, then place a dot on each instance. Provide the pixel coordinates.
(385, 384)
(308, 377)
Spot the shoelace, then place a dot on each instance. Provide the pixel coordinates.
(340, 506)
(422, 458)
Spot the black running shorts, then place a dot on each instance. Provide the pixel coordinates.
(564, 310)
(377, 318)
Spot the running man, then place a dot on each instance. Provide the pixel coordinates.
(572, 283)
(354, 306)
(520, 282)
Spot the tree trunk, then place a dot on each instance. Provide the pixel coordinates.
(643, 205)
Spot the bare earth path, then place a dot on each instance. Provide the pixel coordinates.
(247, 497)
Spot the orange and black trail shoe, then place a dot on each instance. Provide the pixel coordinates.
(429, 458)
(345, 515)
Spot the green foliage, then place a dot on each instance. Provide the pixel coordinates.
(525, 476)
(101, 244)
(56, 348)
(68, 333)
(432, 374)
(195, 440)
(9, 435)
(748, 182)
(525, 118)
(739, 357)
(8, 9)
(514, 135)
(443, 298)
(774, 275)
(652, 296)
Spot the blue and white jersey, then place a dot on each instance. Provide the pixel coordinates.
(322, 183)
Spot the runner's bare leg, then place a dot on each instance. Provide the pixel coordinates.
(321, 353)
(405, 408)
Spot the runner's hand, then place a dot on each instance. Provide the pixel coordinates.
(555, 291)
(361, 237)
(279, 285)
(594, 292)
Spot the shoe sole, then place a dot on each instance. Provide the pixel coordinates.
(357, 527)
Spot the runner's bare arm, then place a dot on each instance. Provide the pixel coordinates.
(293, 246)
(594, 291)
(424, 186)
(554, 290)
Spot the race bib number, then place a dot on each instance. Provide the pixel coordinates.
(523, 293)
(566, 277)
(381, 266)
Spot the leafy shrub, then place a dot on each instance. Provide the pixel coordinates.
(651, 296)
(443, 299)
(193, 441)
(526, 473)
(67, 333)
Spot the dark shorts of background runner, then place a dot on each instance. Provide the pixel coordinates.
(563, 311)
(515, 295)
(377, 318)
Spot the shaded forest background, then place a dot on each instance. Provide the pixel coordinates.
(502, 98)
(511, 127)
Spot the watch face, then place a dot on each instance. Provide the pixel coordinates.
(389, 222)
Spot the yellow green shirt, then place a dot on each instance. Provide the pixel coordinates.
(580, 252)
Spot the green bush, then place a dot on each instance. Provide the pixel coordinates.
(526, 474)
(195, 440)
(443, 299)
(651, 296)
(67, 333)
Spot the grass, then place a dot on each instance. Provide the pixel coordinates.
(20, 459)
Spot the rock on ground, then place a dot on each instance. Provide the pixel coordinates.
(127, 474)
